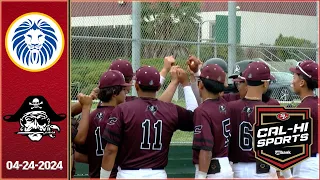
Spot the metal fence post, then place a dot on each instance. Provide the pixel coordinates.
(317, 44)
(198, 45)
(231, 36)
(136, 38)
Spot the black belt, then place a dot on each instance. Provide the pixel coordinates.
(158, 168)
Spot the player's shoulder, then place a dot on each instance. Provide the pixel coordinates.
(308, 102)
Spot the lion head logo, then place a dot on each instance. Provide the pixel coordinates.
(34, 41)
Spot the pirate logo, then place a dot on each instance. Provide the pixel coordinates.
(247, 110)
(222, 109)
(99, 116)
(35, 116)
(153, 109)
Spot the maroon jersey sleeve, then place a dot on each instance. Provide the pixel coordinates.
(113, 130)
(203, 137)
(185, 119)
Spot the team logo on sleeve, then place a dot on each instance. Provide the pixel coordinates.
(34, 42)
(197, 129)
(283, 136)
(35, 116)
(112, 121)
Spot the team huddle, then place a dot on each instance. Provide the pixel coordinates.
(129, 137)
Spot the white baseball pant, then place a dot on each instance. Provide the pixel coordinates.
(248, 170)
(308, 168)
(141, 174)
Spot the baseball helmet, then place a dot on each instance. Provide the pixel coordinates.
(220, 62)
(239, 67)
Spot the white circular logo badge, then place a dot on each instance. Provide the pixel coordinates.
(34, 42)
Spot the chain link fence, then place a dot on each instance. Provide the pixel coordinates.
(279, 33)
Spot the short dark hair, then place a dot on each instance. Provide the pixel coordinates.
(213, 87)
(106, 94)
(311, 84)
(128, 79)
(254, 83)
(149, 88)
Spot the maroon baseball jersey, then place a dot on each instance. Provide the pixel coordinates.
(272, 102)
(242, 117)
(231, 97)
(130, 98)
(142, 129)
(94, 145)
(211, 129)
(312, 103)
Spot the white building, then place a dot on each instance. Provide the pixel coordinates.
(261, 22)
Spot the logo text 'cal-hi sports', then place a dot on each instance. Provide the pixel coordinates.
(34, 42)
(283, 136)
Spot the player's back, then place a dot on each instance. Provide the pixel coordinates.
(242, 118)
(312, 103)
(94, 143)
(148, 125)
(217, 130)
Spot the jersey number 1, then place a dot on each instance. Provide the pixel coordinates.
(99, 149)
(145, 144)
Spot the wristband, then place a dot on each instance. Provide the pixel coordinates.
(104, 174)
(162, 79)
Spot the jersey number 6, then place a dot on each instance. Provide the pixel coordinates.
(245, 137)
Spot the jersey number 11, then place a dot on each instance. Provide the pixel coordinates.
(145, 144)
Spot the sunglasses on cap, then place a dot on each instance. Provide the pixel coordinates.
(300, 68)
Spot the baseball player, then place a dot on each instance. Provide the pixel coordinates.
(125, 67)
(305, 81)
(242, 117)
(79, 129)
(241, 85)
(112, 92)
(211, 127)
(139, 132)
(194, 85)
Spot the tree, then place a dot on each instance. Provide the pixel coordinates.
(169, 21)
(296, 53)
